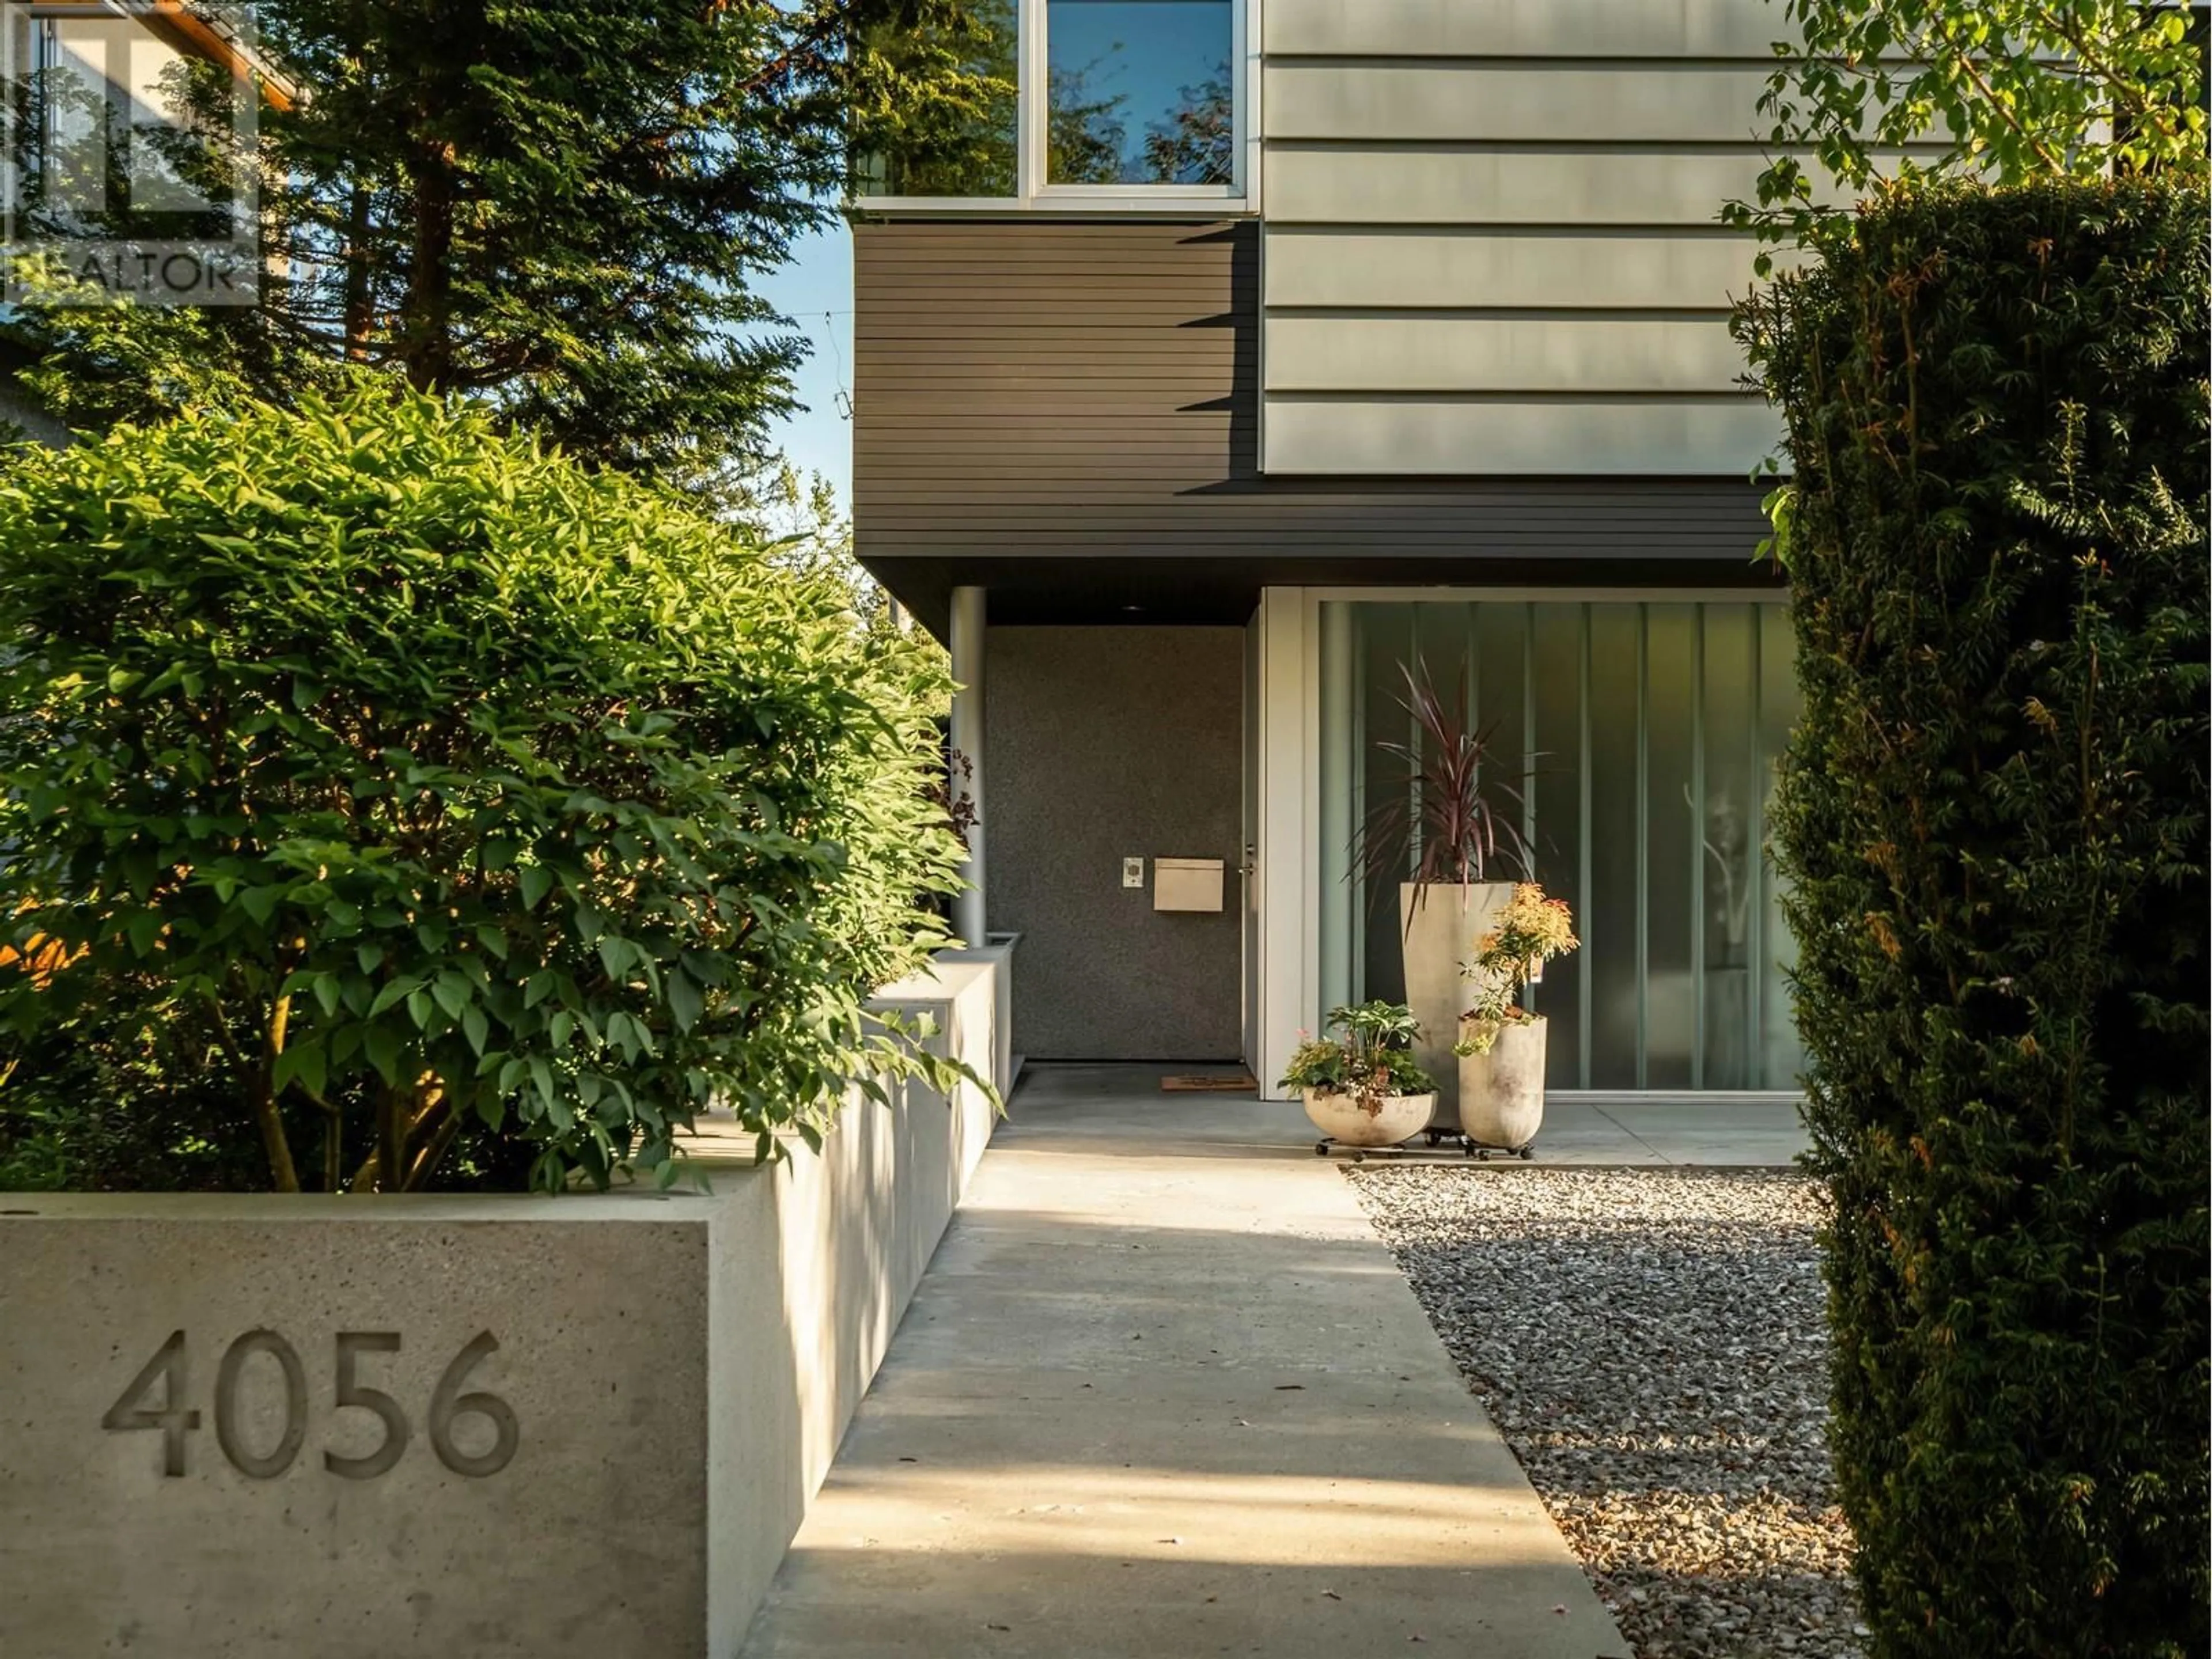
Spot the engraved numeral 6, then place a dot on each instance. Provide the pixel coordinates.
(449, 1402)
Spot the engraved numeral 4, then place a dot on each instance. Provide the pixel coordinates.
(171, 1417)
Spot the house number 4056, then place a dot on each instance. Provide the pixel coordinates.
(135, 1409)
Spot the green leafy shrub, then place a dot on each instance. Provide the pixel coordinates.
(123, 1098)
(449, 792)
(1993, 812)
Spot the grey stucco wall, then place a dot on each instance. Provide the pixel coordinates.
(1101, 743)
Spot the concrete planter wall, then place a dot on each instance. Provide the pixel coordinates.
(260, 1427)
(1006, 1064)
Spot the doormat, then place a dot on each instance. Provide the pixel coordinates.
(1215, 1085)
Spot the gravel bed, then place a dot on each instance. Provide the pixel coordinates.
(1651, 1344)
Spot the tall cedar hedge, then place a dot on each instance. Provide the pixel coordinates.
(1993, 813)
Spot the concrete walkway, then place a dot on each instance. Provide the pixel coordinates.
(1164, 1393)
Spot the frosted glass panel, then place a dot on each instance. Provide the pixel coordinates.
(1612, 920)
(1383, 637)
(1341, 801)
(1640, 741)
(1670, 865)
(1555, 801)
(1501, 669)
(1729, 759)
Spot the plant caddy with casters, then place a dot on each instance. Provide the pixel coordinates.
(1501, 1044)
(1361, 1086)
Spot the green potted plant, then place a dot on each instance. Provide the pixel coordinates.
(1444, 827)
(1362, 1085)
(1501, 1043)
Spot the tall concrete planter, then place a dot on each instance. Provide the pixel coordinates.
(1439, 923)
(1501, 1092)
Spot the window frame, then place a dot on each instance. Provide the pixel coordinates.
(1032, 193)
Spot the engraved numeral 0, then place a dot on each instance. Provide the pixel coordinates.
(269, 1465)
(134, 1410)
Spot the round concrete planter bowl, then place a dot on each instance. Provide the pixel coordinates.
(1501, 1093)
(1343, 1120)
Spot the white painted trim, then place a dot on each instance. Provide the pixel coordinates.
(1053, 204)
(1245, 39)
(1309, 800)
(1032, 71)
(1120, 195)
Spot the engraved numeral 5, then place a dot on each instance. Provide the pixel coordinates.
(351, 1345)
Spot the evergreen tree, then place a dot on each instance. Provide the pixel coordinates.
(558, 208)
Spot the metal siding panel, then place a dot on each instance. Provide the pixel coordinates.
(1390, 184)
(1419, 353)
(1637, 436)
(1537, 28)
(1656, 101)
(1465, 269)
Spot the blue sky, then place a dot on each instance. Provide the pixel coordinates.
(819, 280)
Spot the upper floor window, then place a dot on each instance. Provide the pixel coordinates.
(1104, 104)
(1138, 92)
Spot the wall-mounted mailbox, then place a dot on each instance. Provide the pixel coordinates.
(1185, 883)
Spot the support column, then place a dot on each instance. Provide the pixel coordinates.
(1289, 896)
(967, 779)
